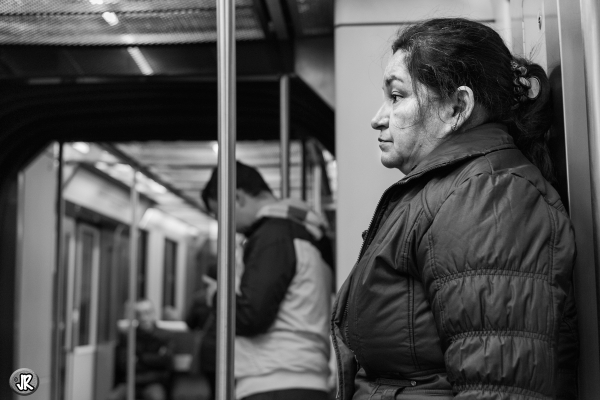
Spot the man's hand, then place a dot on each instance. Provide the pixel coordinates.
(211, 289)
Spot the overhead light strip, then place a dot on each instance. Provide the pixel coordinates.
(140, 60)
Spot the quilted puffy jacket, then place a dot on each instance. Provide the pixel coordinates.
(463, 287)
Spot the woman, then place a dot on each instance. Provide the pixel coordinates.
(463, 284)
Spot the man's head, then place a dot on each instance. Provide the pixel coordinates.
(144, 313)
(252, 193)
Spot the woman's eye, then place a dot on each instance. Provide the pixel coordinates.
(395, 97)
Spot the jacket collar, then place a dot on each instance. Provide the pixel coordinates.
(475, 142)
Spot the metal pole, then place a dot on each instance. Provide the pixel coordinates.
(133, 251)
(590, 25)
(284, 134)
(226, 199)
(59, 283)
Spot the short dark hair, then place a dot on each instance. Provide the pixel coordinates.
(247, 178)
(446, 53)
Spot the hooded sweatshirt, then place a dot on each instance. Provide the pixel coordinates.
(283, 302)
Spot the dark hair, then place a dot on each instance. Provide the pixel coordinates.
(444, 54)
(247, 178)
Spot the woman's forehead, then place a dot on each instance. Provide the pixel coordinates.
(396, 69)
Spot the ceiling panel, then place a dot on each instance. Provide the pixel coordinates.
(119, 22)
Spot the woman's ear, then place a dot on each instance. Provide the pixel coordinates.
(464, 103)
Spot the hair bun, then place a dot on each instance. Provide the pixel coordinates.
(525, 88)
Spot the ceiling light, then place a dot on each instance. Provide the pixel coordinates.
(157, 187)
(215, 147)
(140, 60)
(110, 18)
(81, 147)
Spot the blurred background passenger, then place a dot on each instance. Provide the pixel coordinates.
(201, 317)
(283, 300)
(463, 287)
(153, 358)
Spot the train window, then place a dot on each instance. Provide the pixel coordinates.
(86, 281)
(105, 322)
(170, 266)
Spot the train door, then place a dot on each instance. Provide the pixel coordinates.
(82, 302)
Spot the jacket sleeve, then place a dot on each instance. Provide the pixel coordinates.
(269, 267)
(496, 262)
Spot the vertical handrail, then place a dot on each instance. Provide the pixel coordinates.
(133, 251)
(226, 198)
(59, 282)
(284, 134)
(590, 26)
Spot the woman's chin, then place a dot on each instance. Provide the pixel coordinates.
(389, 163)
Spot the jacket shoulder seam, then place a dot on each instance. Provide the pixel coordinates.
(407, 236)
(551, 204)
(455, 189)
(438, 296)
(488, 173)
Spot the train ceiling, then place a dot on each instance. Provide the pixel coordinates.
(152, 37)
(152, 22)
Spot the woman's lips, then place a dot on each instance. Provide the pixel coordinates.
(384, 143)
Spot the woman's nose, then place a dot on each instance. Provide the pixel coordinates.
(381, 119)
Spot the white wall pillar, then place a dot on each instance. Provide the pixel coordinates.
(35, 270)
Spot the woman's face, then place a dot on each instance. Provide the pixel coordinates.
(405, 135)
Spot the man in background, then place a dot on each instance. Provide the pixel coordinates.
(283, 296)
(153, 358)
